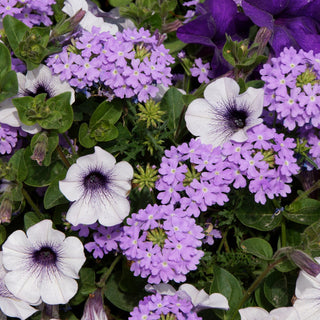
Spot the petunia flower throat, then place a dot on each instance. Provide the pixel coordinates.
(224, 114)
(98, 188)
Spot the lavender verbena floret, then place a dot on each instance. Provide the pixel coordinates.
(130, 64)
(197, 176)
(30, 12)
(106, 240)
(292, 88)
(159, 306)
(162, 242)
(8, 138)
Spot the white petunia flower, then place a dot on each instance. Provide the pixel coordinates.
(39, 80)
(256, 313)
(199, 298)
(308, 295)
(71, 7)
(42, 264)
(9, 304)
(98, 186)
(224, 114)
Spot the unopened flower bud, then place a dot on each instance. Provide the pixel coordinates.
(305, 262)
(67, 25)
(5, 210)
(40, 148)
(94, 309)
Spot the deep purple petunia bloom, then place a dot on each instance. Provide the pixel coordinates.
(214, 20)
(293, 22)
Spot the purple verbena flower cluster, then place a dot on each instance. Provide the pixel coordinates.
(292, 88)
(8, 138)
(265, 162)
(162, 243)
(129, 64)
(105, 239)
(30, 12)
(159, 306)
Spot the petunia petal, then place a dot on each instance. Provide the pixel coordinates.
(23, 284)
(56, 288)
(81, 212)
(71, 257)
(198, 117)
(42, 233)
(16, 308)
(221, 90)
(253, 313)
(253, 98)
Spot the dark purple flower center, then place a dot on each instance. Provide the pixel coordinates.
(236, 118)
(95, 180)
(45, 256)
(40, 87)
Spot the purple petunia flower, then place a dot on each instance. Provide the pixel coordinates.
(293, 23)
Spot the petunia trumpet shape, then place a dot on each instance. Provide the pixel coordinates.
(98, 187)
(42, 264)
(224, 114)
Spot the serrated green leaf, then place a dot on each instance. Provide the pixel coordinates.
(258, 247)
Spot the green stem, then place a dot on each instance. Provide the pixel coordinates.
(63, 157)
(107, 274)
(32, 204)
(306, 193)
(255, 284)
(283, 233)
(222, 243)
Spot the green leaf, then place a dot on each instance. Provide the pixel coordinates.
(3, 234)
(8, 85)
(257, 216)
(84, 136)
(53, 196)
(86, 285)
(119, 3)
(123, 300)
(42, 176)
(311, 239)
(261, 299)
(110, 111)
(277, 290)
(61, 113)
(172, 103)
(18, 165)
(15, 31)
(225, 283)
(304, 211)
(30, 219)
(258, 247)
(5, 61)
